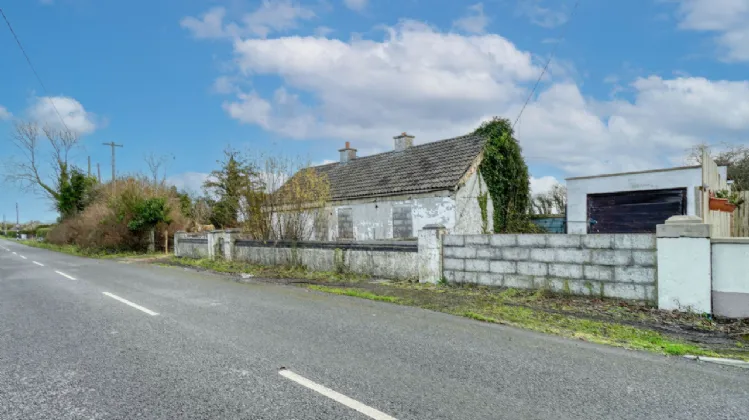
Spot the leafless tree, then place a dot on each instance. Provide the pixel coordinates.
(27, 169)
(552, 202)
(157, 166)
(736, 157)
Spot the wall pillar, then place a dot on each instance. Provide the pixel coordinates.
(229, 236)
(177, 236)
(684, 265)
(430, 253)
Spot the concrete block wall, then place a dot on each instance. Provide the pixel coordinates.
(616, 265)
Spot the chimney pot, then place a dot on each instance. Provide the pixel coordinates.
(347, 153)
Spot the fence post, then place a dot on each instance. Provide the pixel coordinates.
(430, 253)
(684, 265)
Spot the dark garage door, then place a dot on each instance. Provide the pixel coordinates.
(634, 211)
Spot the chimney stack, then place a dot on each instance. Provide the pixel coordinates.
(347, 153)
(403, 142)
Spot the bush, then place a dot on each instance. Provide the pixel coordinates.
(103, 225)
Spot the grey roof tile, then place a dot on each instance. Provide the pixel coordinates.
(428, 167)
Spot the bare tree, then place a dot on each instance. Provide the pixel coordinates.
(27, 170)
(553, 201)
(736, 157)
(157, 166)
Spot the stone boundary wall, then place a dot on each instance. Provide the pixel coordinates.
(383, 259)
(609, 265)
(191, 245)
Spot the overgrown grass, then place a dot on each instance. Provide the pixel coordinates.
(271, 272)
(498, 310)
(83, 252)
(356, 293)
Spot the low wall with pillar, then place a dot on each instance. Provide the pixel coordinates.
(697, 273)
(382, 259)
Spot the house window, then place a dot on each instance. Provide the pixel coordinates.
(345, 224)
(402, 222)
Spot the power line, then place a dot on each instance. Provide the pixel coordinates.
(28, 60)
(546, 67)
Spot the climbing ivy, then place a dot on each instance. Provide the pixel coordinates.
(483, 199)
(506, 175)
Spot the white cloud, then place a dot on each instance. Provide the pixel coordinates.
(357, 5)
(271, 16)
(188, 181)
(437, 85)
(224, 85)
(475, 22)
(727, 18)
(48, 111)
(323, 31)
(416, 78)
(542, 185)
(545, 17)
(210, 25)
(4, 113)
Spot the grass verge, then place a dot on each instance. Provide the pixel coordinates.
(355, 293)
(82, 252)
(498, 308)
(261, 271)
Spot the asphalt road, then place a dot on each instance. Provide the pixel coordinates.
(166, 343)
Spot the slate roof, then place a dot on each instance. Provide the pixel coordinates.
(435, 166)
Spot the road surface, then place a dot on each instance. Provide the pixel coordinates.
(94, 339)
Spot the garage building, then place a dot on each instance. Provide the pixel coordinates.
(632, 202)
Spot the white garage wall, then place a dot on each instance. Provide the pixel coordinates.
(579, 188)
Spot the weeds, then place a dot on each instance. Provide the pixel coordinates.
(355, 293)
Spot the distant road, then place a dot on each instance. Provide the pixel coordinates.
(95, 339)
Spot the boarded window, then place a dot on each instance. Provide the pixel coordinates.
(402, 222)
(321, 224)
(634, 211)
(345, 224)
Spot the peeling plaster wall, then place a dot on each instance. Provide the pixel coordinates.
(468, 211)
(374, 220)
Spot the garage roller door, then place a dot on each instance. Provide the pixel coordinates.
(634, 211)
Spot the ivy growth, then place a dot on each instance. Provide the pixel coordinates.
(506, 175)
(483, 199)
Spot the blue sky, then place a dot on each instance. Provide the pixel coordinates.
(632, 86)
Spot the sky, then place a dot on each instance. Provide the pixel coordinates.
(632, 85)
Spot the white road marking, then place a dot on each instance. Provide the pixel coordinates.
(64, 275)
(134, 305)
(38, 263)
(336, 396)
(23, 257)
(14, 253)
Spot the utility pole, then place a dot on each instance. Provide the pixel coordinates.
(18, 223)
(5, 227)
(114, 171)
(98, 171)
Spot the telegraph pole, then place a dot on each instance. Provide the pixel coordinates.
(114, 171)
(98, 171)
(18, 223)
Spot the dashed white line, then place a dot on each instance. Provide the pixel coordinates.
(64, 275)
(23, 257)
(14, 253)
(38, 263)
(134, 305)
(336, 396)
